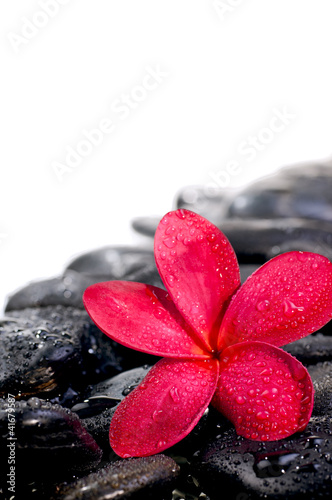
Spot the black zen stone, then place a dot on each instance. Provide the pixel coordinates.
(145, 225)
(118, 263)
(65, 290)
(48, 350)
(99, 404)
(137, 478)
(303, 191)
(257, 240)
(210, 203)
(311, 349)
(321, 375)
(50, 441)
(35, 356)
(299, 467)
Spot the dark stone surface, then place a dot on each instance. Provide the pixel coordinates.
(299, 467)
(145, 225)
(65, 290)
(118, 263)
(210, 203)
(311, 349)
(321, 375)
(104, 264)
(97, 409)
(300, 191)
(120, 386)
(136, 478)
(48, 350)
(303, 191)
(258, 240)
(50, 440)
(35, 355)
(246, 270)
(98, 425)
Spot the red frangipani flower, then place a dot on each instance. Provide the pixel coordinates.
(220, 343)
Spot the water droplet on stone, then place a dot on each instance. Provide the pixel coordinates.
(34, 402)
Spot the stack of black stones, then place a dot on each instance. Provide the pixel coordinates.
(61, 378)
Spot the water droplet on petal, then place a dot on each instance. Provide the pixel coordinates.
(263, 305)
(290, 309)
(181, 214)
(159, 312)
(170, 242)
(211, 237)
(194, 309)
(170, 229)
(262, 415)
(302, 257)
(299, 372)
(170, 280)
(158, 415)
(174, 393)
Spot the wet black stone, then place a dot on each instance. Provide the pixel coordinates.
(66, 290)
(118, 387)
(311, 349)
(321, 375)
(98, 425)
(303, 191)
(35, 357)
(50, 441)
(145, 225)
(299, 467)
(97, 409)
(52, 350)
(258, 240)
(210, 203)
(210, 422)
(246, 270)
(118, 263)
(136, 478)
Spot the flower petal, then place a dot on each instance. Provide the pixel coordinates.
(198, 267)
(286, 299)
(164, 408)
(264, 391)
(142, 317)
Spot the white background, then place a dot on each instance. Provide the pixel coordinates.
(226, 74)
